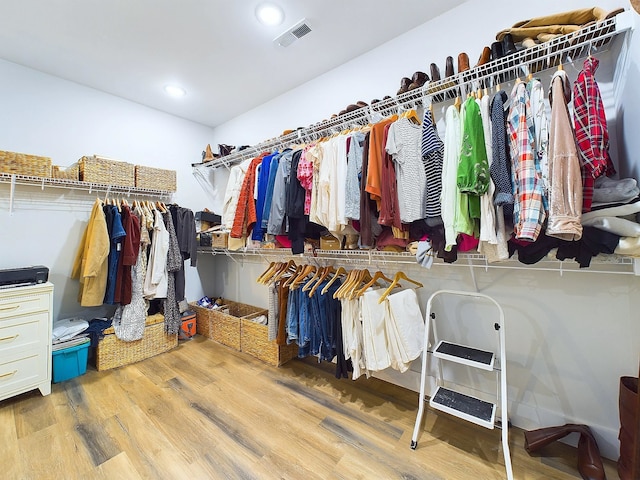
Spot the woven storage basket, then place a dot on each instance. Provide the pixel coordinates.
(112, 352)
(255, 342)
(70, 173)
(155, 178)
(96, 169)
(219, 239)
(223, 325)
(25, 164)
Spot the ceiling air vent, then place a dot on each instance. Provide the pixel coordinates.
(299, 30)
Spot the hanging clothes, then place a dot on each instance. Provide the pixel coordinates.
(565, 179)
(156, 279)
(273, 172)
(373, 180)
(389, 214)
(473, 169)
(529, 213)
(354, 173)
(129, 320)
(232, 193)
(91, 263)
(128, 257)
(116, 235)
(262, 182)
(277, 215)
(245, 215)
(404, 142)
(487, 209)
(450, 194)
(432, 151)
(592, 135)
(172, 319)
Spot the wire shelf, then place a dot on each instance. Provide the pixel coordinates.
(563, 49)
(608, 264)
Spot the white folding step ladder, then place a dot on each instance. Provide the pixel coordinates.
(456, 403)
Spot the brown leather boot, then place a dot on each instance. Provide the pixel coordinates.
(463, 62)
(589, 461)
(448, 71)
(485, 56)
(418, 80)
(404, 85)
(435, 73)
(629, 421)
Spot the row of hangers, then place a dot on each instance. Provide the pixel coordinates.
(355, 283)
(119, 202)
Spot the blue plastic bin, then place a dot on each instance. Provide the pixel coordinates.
(70, 362)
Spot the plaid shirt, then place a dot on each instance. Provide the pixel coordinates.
(529, 213)
(591, 130)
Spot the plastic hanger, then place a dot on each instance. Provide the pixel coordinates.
(399, 276)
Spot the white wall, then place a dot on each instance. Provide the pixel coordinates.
(569, 337)
(44, 115)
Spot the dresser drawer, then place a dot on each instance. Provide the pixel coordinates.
(17, 334)
(20, 304)
(18, 374)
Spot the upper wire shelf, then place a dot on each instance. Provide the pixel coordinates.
(90, 188)
(563, 49)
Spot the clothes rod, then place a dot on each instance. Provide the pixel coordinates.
(564, 49)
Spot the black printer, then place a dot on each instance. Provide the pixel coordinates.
(14, 277)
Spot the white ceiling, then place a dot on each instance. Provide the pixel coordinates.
(215, 49)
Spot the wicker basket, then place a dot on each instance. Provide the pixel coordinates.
(70, 173)
(96, 169)
(155, 178)
(25, 164)
(223, 325)
(112, 352)
(255, 341)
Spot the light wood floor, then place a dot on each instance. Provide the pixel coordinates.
(203, 411)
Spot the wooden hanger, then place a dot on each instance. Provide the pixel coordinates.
(293, 276)
(364, 276)
(374, 280)
(336, 275)
(290, 267)
(304, 273)
(351, 276)
(314, 279)
(411, 115)
(326, 272)
(273, 266)
(399, 276)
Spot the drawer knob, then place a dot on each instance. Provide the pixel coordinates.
(9, 338)
(10, 374)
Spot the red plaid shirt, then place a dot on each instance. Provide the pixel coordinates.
(591, 130)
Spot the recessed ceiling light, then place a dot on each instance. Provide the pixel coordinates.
(175, 91)
(269, 14)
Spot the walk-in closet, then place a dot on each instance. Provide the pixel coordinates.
(269, 240)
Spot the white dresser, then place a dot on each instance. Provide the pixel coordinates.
(26, 318)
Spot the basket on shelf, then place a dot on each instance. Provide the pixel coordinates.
(97, 169)
(155, 178)
(113, 352)
(25, 164)
(70, 173)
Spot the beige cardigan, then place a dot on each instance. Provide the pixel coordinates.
(565, 179)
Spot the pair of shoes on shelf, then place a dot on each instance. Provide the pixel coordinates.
(351, 107)
(416, 81)
(503, 48)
